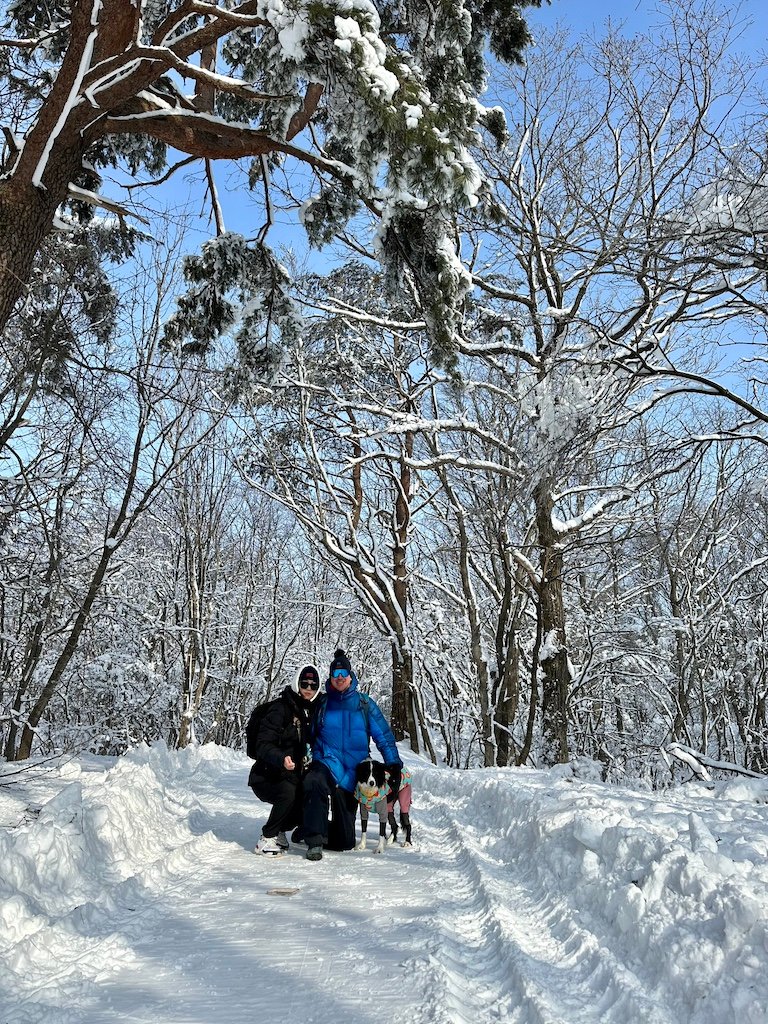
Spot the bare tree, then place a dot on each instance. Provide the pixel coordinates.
(333, 456)
(597, 282)
(114, 465)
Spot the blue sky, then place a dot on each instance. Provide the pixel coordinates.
(584, 15)
(241, 212)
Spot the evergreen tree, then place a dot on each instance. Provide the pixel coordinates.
(378, 99)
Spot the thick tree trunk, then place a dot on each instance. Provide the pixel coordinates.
(403, 712)
(553, 655)
(26, 219)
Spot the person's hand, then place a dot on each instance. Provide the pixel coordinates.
(395, 773)
(288, 763)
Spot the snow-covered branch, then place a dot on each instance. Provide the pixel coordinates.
(699, 763)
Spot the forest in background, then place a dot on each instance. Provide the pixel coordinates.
(541, 536)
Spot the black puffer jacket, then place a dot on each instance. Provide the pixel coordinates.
(284, 730)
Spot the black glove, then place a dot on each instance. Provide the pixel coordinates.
(395, 772)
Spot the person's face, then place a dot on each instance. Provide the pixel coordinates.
(340, 680)
(308, 688)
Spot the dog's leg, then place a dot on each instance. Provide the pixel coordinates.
(405, 821)
(392, 825)
(381, 807)
(363, 826)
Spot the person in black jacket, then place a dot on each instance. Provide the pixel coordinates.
(282, 751)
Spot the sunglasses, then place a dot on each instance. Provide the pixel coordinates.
(309, 684)
(340, 673)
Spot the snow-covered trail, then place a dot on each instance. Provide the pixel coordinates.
(529, 899)
(517, 953)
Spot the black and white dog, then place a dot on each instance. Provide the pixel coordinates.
(373, 793)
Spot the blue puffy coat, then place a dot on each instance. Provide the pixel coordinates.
(341, 738)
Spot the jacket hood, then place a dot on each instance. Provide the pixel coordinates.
(308, 672)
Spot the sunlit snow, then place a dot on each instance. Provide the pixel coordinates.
(130, 893)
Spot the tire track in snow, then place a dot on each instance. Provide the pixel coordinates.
(465, 971)
(524, 960)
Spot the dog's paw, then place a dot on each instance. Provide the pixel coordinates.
(380, 846)
(406, 845)
(361, 845)
(391, 838)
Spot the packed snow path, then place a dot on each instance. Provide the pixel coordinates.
(530, 898)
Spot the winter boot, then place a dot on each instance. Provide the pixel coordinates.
(268, 846)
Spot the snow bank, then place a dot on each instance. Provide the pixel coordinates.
(95, 850)
(676, 884)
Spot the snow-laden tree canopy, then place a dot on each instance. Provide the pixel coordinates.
(378, 99)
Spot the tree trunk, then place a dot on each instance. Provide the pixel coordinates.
(506, 689)
(403, 718)
(63, 660)
(553, 655)
(403, 712)
(26, 220)
(506, 699)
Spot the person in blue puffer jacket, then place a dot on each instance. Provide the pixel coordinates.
(341, 740)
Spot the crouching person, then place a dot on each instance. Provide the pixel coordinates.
(278, 737)
(342, 733)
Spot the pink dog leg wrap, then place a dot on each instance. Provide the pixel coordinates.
(403, 798)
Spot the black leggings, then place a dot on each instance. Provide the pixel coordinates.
(320, 791)
(285, 797)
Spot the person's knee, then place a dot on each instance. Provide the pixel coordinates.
(261, 792)
(316, 783)
(347, 801)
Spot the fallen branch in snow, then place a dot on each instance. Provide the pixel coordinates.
(43, 765)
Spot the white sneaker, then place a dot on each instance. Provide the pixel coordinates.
(268, 847)
(281, 840)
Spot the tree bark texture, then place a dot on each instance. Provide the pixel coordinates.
(555, 670)
(403, 711)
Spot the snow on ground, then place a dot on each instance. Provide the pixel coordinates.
(129, 892)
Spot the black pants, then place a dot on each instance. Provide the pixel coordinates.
(320, 791)
(286, 799)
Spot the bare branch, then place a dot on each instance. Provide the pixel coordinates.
(21, 44)
(217, 211)
(168, 174)
(302, 117)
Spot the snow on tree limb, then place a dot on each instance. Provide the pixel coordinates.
(699, 762)
(390, 93)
